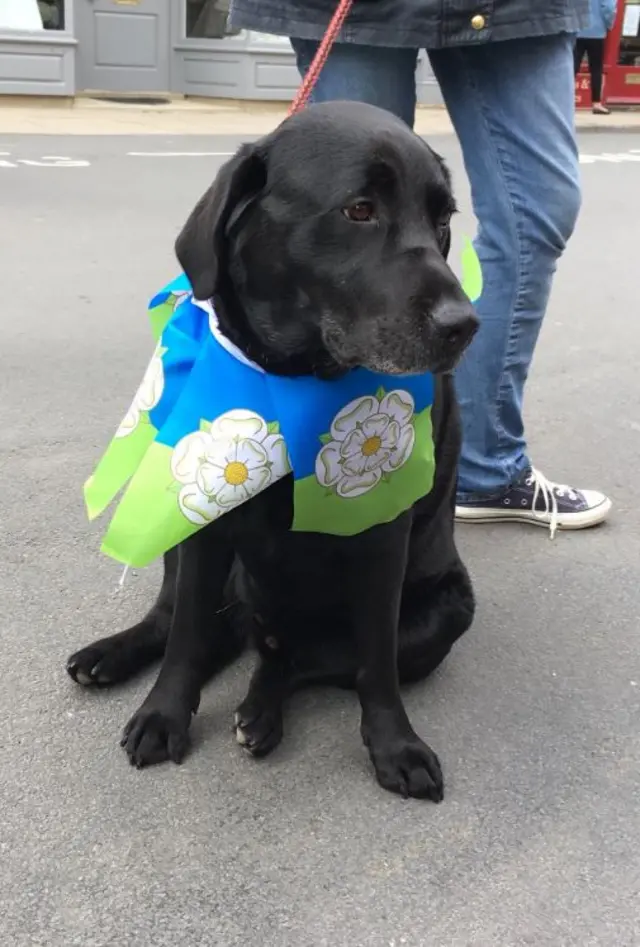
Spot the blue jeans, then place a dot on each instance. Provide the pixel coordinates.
(512, 106)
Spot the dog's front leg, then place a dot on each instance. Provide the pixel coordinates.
(375, 574)
(159, 730)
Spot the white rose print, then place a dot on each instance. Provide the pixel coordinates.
(147, 396)
(371, 438)
(222, 468)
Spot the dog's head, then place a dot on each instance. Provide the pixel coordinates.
(324, 247)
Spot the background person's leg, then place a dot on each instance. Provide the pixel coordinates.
(376, 75)
(596, 64)
(579, 50)
(512, 105)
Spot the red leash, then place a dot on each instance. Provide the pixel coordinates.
(321, 56)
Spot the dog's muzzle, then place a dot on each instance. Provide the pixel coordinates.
(453, 326)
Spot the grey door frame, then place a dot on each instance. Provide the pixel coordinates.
(123, 79)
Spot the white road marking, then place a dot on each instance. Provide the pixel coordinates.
(63, 161)
(47, 161)
(610, 157)
(606, 157)
(179, 154)
(52, 161)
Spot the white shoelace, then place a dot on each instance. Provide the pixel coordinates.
(550, 492)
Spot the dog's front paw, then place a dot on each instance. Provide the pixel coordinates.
(156, 734)
(406, 765)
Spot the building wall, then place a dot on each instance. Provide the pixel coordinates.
(39, 62)
(249, 66)
(254, 66)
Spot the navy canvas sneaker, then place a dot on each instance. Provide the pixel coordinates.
(534, 499)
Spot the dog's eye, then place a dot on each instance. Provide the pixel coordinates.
(443, 224)
(362, 212)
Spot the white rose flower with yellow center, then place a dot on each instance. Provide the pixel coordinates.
(224, 467)
(371, 439)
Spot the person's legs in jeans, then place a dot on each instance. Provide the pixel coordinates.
(524, 177)
(512, 105)
(378, 76)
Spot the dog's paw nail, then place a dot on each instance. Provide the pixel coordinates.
(77, 674)
(97, 677)
(241, 736)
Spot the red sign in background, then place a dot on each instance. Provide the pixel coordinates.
(583, 89)
(621, 73)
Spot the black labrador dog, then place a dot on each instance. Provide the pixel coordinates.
(323, 247)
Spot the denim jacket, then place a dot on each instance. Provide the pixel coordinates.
(603, 14)
(429, 24)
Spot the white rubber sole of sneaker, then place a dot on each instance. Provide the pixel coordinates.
(566, 521)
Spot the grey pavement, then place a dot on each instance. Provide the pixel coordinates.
(535, 715)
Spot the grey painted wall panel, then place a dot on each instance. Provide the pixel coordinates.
(36, 68)
(201, 71)
(276, 75)
(254, 66)
(126, 40)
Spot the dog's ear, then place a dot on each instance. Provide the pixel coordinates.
(201, 244)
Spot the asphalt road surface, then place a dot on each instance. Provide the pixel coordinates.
(535, 715)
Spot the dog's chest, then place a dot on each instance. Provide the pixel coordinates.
(297, 570)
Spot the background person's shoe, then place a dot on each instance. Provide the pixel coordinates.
(534, 499)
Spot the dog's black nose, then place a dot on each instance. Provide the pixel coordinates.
(454, 324)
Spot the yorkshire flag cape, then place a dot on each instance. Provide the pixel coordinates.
(208, 429)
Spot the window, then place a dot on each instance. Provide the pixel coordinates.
(52, 13)
(630, 38)
(32, 15)
(207, 19)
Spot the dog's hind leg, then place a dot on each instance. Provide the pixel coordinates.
(117, 658)
(431, 621)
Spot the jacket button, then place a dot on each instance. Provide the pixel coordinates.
(478, 22)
